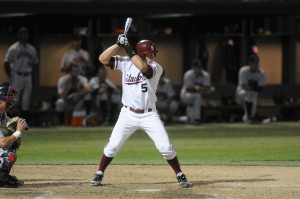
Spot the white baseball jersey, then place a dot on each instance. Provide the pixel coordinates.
(75, 85)
(190, 77)
(194, 99)
(138, 93)
(21, 58)
(138, 90)
(80, 58)
(245, 75)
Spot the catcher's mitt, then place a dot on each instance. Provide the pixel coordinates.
(10, 128)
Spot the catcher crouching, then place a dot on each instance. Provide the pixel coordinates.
(10, 137)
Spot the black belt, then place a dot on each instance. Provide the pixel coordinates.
(138, 111)
(23, 74)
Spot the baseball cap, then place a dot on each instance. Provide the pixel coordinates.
(253, 59)
(197, 63)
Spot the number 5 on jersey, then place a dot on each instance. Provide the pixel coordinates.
(144, 88)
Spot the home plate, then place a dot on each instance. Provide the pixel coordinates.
(148, 190)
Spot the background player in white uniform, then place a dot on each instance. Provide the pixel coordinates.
(252, 79)
(72, 89)
(196, 81)
(19, 61)
(166, 102)
(76, 55)
(8, 148)
(140, 76)
(105, 97)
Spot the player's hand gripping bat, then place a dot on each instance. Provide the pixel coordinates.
(122, 39)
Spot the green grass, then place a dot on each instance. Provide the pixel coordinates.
(276, 144)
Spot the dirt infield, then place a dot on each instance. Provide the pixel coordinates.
(155, 182)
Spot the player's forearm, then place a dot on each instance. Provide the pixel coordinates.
(139, 63)
(246, 87)
(108, 53)
(83, 91)
(6, 142)
(137, 60)
(203, 89)
(64, 93)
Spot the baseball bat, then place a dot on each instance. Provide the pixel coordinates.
(127, 25)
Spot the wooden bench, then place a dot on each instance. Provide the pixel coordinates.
(213, 109)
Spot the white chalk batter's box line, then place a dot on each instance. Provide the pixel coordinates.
(261, 186)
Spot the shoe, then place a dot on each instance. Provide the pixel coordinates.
(87, 121)
(182, 180)
(97, 180)
(13, 181)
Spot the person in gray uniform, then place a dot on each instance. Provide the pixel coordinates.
(76, 55)
(196, 82)
(72, 90)
(104, 98)
(20, 60)
(252, 79)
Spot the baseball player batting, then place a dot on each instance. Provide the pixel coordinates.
(140, 76)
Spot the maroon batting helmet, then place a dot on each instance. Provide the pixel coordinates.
(145, 47)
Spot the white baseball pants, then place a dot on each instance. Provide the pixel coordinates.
(129, 122)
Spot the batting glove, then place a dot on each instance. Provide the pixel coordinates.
(122, 40)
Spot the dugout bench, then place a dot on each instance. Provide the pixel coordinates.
(213, 108)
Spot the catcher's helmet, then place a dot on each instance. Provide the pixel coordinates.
(9, 95)
(145, 47)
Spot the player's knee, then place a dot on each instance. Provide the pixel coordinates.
(111, 151)
(173, 106)
(169, 152)
(60, 105)
(241, 94)
(7, 159)
(170, 155)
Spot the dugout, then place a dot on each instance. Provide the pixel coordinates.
(181, 29)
